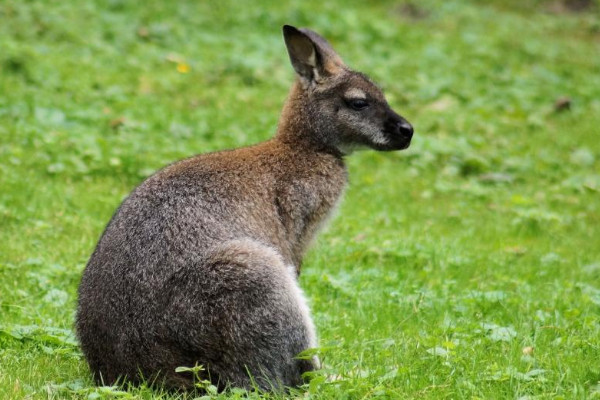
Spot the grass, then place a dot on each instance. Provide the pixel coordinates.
(465, 267)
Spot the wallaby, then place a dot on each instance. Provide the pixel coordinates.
(199, 265)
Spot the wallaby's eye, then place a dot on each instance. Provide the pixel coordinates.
(358, 104)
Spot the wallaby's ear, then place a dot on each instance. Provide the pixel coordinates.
(311, 55)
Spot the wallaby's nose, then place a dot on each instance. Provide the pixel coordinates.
(406, 129)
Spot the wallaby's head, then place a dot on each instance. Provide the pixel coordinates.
(341, 108)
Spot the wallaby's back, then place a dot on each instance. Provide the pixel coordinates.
(199, 264)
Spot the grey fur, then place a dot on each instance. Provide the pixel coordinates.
(199, 264)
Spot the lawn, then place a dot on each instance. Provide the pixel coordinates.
(465, 267)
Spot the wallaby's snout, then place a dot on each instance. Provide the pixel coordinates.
(398, 130)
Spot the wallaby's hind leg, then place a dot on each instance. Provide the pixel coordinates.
(243, 313)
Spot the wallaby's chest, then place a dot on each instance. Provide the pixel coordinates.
(304, 202)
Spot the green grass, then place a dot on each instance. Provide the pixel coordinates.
(446, 262)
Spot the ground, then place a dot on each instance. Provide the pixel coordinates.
(467, 266)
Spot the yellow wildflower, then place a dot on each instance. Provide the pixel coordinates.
(183, 68)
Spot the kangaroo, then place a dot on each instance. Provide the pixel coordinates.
(199, 264)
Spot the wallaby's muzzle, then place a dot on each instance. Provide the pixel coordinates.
(398, 131)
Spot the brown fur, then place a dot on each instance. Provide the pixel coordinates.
(281, 188)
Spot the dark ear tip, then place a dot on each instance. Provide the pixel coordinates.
(288, 29)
